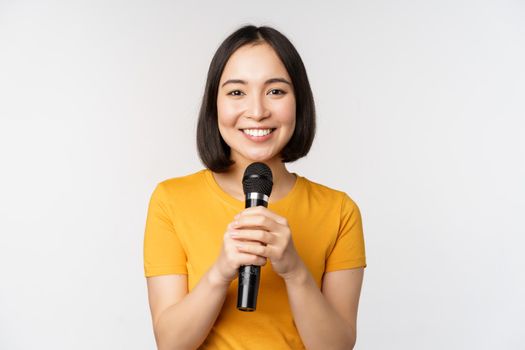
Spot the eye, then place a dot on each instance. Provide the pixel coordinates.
(235, 93)
(276, 92)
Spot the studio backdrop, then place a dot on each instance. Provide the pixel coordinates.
(421, 120)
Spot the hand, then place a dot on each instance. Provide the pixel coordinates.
(258, 232)
(226, 267)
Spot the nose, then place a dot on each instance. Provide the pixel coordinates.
(257, 109)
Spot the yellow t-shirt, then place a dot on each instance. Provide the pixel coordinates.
(186, 221)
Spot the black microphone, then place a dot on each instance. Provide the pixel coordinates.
(257, 185)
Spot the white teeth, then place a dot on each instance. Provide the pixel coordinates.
(257, 132)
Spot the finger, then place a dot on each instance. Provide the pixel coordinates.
(260, 250)
(255, 222)
(250, 259)
(259, 236)
(260, 210)
(236, 257)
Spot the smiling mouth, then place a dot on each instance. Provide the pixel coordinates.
(258, 132)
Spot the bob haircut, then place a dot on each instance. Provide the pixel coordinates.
(213, 151)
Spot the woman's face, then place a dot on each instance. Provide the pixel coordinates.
(255, 104)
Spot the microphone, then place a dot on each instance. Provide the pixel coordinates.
(257, 184)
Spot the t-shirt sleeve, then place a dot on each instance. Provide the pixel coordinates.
(163, 251)
(349, 248)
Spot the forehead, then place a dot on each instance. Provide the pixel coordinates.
(254, 62)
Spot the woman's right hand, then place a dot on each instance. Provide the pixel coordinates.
(226, 267)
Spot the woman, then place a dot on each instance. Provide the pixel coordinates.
(257, 107)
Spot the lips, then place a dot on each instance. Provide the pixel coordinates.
(259, 132)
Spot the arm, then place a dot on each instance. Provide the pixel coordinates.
(183, 320)
(329, 321)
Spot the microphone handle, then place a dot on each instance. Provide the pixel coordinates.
(249, 275)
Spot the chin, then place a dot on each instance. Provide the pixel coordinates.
(257, 157)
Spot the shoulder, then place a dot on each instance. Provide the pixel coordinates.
(326, 194)
(182, 183)
(175, 187)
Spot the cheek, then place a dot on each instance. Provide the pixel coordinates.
(225, 113)
(286, 112)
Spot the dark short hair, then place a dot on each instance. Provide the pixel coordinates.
(214, 152)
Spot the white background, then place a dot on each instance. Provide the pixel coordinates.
(421, 118)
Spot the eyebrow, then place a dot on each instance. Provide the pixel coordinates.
(269, 81)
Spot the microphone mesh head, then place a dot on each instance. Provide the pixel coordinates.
(257, 178)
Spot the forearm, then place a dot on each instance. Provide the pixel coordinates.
(186, 324)
(318, 323)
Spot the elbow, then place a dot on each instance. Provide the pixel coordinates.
(351, 343)
(171, 341)
(167, 341)
(351, 338)
(174, 344)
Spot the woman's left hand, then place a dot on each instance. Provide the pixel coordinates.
(259, 224)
